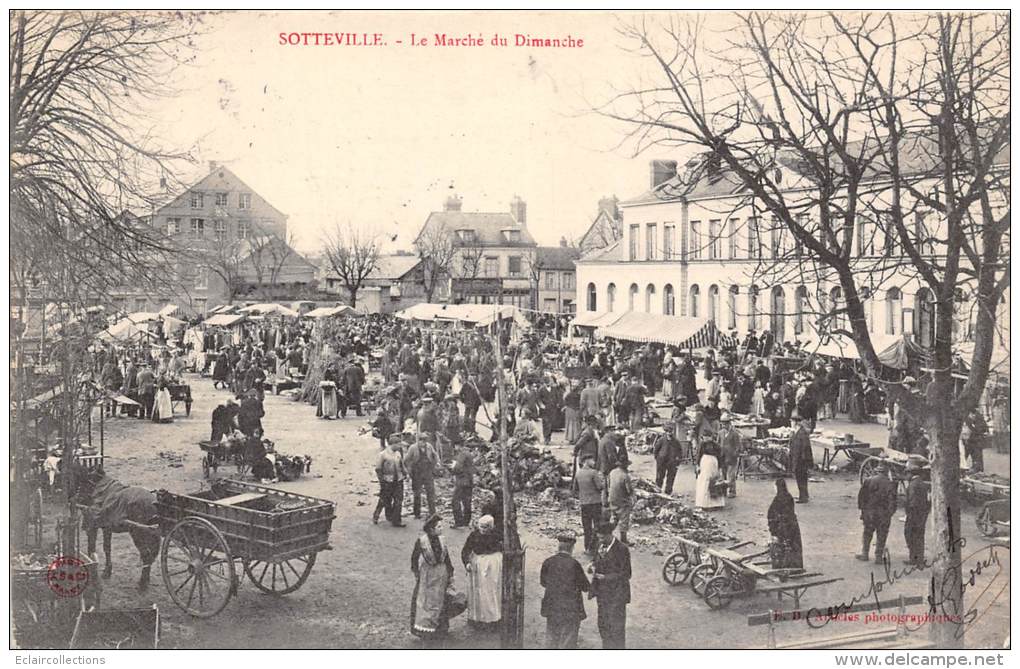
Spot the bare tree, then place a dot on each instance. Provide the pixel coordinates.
(279, 254)
(227, 259)
(833, 122)
(352, 255)
(437, 249)
(469, 261)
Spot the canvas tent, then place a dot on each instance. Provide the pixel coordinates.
(123, 330)
(267, 308)
(680, 331)
(890, 349)
(225, 320)
(330, 312)
(478, 315)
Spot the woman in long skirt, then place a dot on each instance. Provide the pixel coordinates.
(572, 414)
(708, 471)
(328, 404)
(162, 407)
(483, 559)
(785, 530)
(433, 571)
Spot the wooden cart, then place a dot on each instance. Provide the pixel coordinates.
(993, 495)
(180, 393)
(725, 574)
(273, 534)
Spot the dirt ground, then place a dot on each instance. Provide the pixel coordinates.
(358, 594)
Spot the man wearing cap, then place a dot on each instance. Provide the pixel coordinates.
(918, 506)
(877, 502)
(420, 462)
(729, 449)
(471, 400)
(589, 400)
(620, 404)
(353, 379)
(589, 483)
(621, 496)
(463, 468)
(611, 587)
(390, 469)
(146, 390)
(667, 452)
(562, 606)
(714, 385)
(587, 443)
(801, 457)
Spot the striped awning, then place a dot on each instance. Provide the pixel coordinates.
(594, 319)
(678, 331)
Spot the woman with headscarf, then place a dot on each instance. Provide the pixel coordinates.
(329, 404)
(433, 572)
(705, 497)
(785, 530)
(483, 559)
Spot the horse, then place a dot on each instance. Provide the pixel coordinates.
(108, 504)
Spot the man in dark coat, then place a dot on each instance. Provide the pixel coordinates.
(562, 607)
(353, 379)
(611, 587)
(667, 452)
(249, 418)
(471, 400)
(801, 458)
(620, 403)
(688, 382)
(877, 502)
(918, 506)
(587, 443)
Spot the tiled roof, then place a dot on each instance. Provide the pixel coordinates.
(612, 253)
(556, 257)
(488, 227)
(394, 266)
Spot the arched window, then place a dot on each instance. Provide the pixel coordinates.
(800, 298)
(713, 303)
(632, 297)
(752, 308)
(868, 304)
(649, 298)
(893, 311)
(592, 297)
(731, 308)
(611, 296)
(924, 318)
(695, 298)
(777, 322)
(668, 300)
(839, 320)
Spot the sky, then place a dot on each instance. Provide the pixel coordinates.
(381, 135)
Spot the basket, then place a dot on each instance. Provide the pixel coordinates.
(117, 629)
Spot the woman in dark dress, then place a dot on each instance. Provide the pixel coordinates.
(787, 551)
(433, 572)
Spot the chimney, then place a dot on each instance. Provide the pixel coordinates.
(563, 242)
(213, 165)
(610, 205)
(662, 171)
(519, 210)
(453, 203)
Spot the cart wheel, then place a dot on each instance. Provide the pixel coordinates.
(242, 466)
(868, 467)
(282, 577)
(699, 577)
(985, 524)
(719, 592)
(675, 569)
(197, 568)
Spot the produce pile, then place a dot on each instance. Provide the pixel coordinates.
(531, 469)
(652, 506)
(642, 440)
(291, 467)
(32, 561)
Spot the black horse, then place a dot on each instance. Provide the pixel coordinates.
(108, 504)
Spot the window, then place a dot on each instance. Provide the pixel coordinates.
(220, 229)
(197, 201)
(695, 245)
(734, 226)
(668, 300)
(923, 236)
(198, 227)
(515, 265)
(611, 296)
(202, 277)
(221, 199)
(836, 301)
(649, 298)
(803, 221)
(695, 298)
(865, 237)
(549, 305)
(173, 226)
(753, 242)
(651, 242)
(491, 266)
(668, 233)
(893, 311)
(550, 280)
(592, 297)
(243, 229)
(715, 240)
(568, 281)
(200, 305)
(466, 236)
(890, 237)
(632, 250)
(632, 297)
(776, 234)
(713, 303)
(752, 308)
(924, 318)
(800, 297)
(512, 236)
(140, 304)
(244, 200)
(731, 308)
(777, 320)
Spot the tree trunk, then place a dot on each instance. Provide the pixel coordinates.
(945, 594)
(354, 296)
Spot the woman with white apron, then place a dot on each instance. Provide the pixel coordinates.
(483, 559)
(708, 471)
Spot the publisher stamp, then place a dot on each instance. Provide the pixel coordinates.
(67, 576)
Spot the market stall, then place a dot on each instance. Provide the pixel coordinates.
(679, 331)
